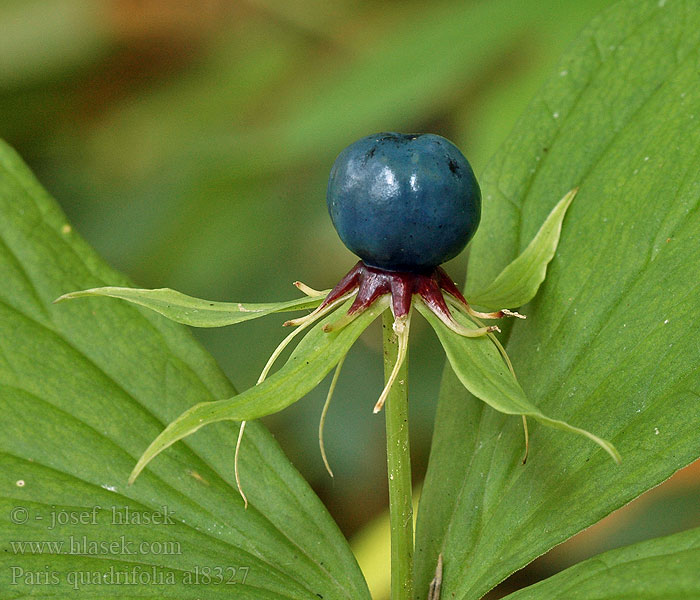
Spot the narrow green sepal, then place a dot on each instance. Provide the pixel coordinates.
(195, 311)
(479, 366)
(311, 361)
(518, 283)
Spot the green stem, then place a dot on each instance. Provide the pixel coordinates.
(399, 469)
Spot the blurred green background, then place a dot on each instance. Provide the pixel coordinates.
(190, 142)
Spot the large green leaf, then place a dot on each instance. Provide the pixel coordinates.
(84, 387)
(610, 342)
(661, 569)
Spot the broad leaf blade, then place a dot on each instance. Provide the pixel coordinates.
(310, 362)
(518, 283)
(608, 343)
(84, 387)
(196, 312)
(662, 568)
(479, 366)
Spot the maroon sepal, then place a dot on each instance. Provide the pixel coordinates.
(371, 283)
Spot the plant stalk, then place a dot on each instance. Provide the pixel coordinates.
(398, 468)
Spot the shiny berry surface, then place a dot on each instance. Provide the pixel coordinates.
(404, 202)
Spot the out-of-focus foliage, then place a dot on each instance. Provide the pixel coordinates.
(190, 143)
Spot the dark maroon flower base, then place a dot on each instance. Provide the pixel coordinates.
(371, 283)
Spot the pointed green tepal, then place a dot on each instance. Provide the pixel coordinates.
(195, 311)
(479, 366)
(314, 357)
(518, 283)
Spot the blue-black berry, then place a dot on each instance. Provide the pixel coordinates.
(404, 202)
